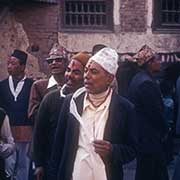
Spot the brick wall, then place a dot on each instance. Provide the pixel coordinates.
(40, 22)
(133, 15)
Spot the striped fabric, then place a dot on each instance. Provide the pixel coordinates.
(165, 57)
(47, 1)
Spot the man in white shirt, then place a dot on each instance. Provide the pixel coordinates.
(96, 131)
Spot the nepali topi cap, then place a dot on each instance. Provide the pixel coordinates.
(20, 55)
(82, 57)
(58, 51)
(107, 58)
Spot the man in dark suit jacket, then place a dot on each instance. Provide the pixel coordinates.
(57, 62)
(48, 114)
(177, 166)
(146, 96)
(96, 131)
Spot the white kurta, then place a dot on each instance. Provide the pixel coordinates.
(88, 164)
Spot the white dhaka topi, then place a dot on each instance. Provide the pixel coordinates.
(107, 58)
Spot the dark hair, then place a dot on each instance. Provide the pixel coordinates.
(126, 71)
(97, 47)
(149, 60)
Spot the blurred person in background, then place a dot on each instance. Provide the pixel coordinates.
(14, 93)
(7, 145)
(144, 92)
(57, 62)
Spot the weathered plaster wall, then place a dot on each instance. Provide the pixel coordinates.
(126, 42)
(12, 35)
(133, 28)
(36, 26)
(40, 22)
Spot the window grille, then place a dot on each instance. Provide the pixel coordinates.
(47, 1)
(87, 14)
(170, 14)
(167, 13)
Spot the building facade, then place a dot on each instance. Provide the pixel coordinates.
(78, 25)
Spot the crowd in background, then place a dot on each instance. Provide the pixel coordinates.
(92, 115)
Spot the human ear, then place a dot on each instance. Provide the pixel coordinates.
(110, 79)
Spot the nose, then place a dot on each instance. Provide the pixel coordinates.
(69, 74)
(54, 61)
(9, 66)
(86, 75)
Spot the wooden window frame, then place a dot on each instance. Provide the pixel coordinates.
(83, 27)
(158, 24)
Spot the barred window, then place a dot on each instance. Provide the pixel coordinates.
(87, 14)
(167, 14)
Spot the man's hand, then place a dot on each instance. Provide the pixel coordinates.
(39, 173)
(103, 148)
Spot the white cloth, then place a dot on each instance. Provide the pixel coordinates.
(61, 91)
(15, 92)
(52, 82)
(88, 164)
(107, 58)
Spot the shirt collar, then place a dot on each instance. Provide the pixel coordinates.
(52, 82)
(86, 102)
(23, 79)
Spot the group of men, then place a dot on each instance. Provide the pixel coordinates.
(82, 128)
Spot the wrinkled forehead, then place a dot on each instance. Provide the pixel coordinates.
(94, 65)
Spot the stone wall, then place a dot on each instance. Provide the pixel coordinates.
(32, 27)
(133, 16)
(36, 26)
(132, 29)
(40, 22)
(128, 42)
(12, 36)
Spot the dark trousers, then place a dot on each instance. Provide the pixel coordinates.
(151, 167)
(176, 175)
(2, 170)
(31, 172)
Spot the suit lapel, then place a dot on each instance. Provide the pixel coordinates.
(111, 117)
(79, 103)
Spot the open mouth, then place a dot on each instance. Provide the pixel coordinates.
(86, 84)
